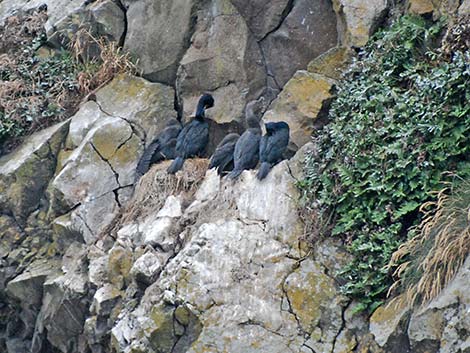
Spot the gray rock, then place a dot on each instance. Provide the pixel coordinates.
(262, 16)
(388, 325)
(224, 59)
(147, 267)
(56, 9)
(360, 19)
(103, 19)
(464, 9)
(107, 138)
(158, 33)
(308, 31)
(303, 104)
(105, 300)
(443, 324)
(25, 173)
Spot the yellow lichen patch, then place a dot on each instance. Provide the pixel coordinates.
(309, 291)
(62, 159)
(420, 7)
(127, 153)
(332, 63)
(387, 313)
(110, 136)
(119, 264)
(300, 103)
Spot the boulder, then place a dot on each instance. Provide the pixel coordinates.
(101, 20)
(308, 31)
(443, 324)
(464, 9)
(303, 104)
(388, 325)
(106, 140)
(158, 34)
(320, 315)
(360, 19)
(262, 16)
(238, 273)
(223, 58)
(25, 173)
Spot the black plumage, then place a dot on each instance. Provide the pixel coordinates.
(222, 159)
(246, 153)
(272, 147)
(193, 138)
(162, 147)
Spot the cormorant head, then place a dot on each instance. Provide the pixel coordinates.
(273, 127)
(206, 101)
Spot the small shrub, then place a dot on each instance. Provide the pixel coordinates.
(400, 119)
(427, 262)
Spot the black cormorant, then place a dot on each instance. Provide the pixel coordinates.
(222, 159)
(246, 153)
(194, 137)
(162, 147)
(272, 147)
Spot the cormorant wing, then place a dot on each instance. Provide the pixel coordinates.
(246, 151)
(193, 139)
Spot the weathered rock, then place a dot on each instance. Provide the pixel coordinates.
(27, 287)
(64, 310)
(420, 7)
(105, 299)
(308, 31)
(388, 325)
(107, 138)
(464, 9)
(231, 273)
(443, 324)
(361, 18)
(102, 19)
(27, 291)
(25, 173)
(303, 105)
(262, 16)
(224, 59)
(146, 268)
(56, 9)
(158, 34)
(320, 315)
(332, 63)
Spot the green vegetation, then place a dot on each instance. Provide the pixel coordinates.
(399, 121)
(40, 86)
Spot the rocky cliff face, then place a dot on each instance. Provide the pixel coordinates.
(92, 262)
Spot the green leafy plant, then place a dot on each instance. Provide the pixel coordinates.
(400, 119)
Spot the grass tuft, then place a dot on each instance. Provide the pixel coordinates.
(430, 260)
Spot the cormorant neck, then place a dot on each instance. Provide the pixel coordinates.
(200, 111)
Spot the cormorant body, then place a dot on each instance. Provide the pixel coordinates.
(162, 147)
(222, 159)
(272, 147)
(246, 153)
(193, 138)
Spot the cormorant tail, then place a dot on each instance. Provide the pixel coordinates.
(144, 164)
(263, 170)
(234, 174)
(176, 165)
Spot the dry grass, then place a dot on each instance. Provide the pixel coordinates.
(36, 92)
(155, 187)
(430, 260)
(111, 62)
